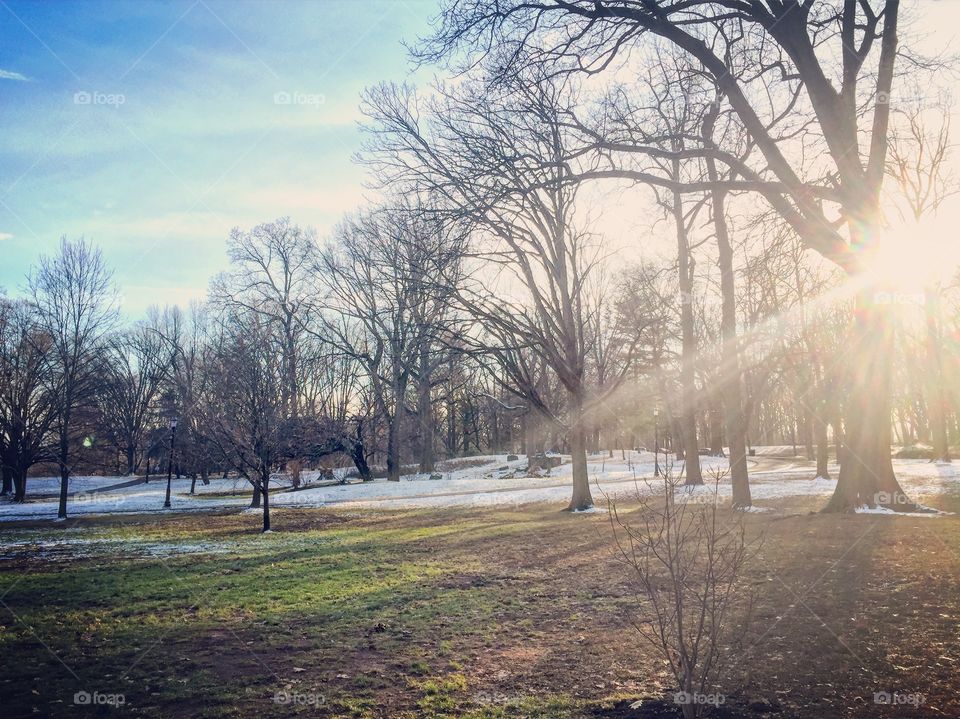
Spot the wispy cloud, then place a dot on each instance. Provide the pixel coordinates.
(11, 75)
(5, 236)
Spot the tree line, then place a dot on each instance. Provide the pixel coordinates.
(477, 308)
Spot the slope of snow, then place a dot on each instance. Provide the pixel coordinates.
(494, 483)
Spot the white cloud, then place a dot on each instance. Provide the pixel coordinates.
(10, 75)
(5, 236)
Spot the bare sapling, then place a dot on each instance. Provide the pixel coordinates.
(685, 557)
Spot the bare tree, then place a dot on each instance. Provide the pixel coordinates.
(75, 308)
(27, 412)
(499, 162)
(271, 276)
(919, 152)
(245, 411)
(769, 60)
(384, 303)
(134, 365)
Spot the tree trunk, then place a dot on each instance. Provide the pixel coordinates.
(936, 401)
(64, 473)
(255, 501)
(530, 434)
(425, 416)
(866, 473)
(359, 455)
(451, 427)
(730, 387)
(688, 416)
(265, 481)
(581, 498)
(20, 486)
(131, 459)
(7, 480)
(716, 429)
(393, 446)
(823, 447)
(808, 431)
(839, 438)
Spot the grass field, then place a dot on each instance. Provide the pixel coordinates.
(456, 613)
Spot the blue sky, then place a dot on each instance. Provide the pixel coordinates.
(152, 128)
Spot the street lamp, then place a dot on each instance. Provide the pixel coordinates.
(173, 437)
(656, 441)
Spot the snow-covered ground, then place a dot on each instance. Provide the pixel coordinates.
(494, 483)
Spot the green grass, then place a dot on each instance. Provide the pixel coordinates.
(155, 629)
(477, 614)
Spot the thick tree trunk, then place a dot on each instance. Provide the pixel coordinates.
(866, 473)
(581, 498)
(20, 486)
(255, 501)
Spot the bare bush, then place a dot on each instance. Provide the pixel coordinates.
(685, 562)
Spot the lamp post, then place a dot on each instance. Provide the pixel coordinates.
(656, 441)
(173, 437)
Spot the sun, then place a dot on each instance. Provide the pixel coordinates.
(913, 257)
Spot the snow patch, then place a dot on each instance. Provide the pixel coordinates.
(478, 482)
(892, 512)
(589, 510)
